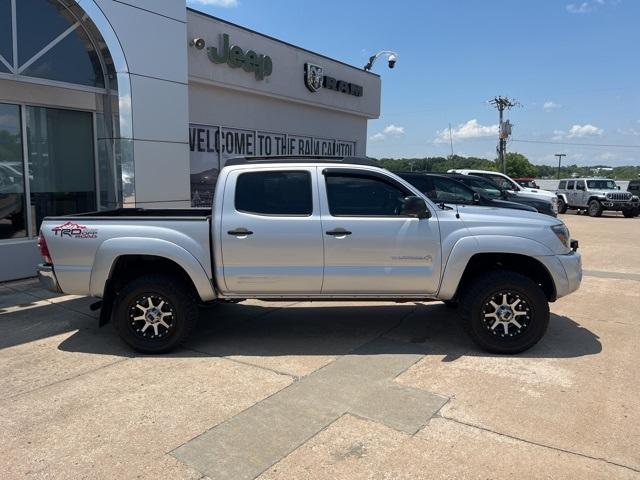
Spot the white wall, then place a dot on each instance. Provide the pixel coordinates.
(153, 37)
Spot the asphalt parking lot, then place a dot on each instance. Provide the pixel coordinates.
(330, 390)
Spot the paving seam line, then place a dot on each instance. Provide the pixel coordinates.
(551, 447)
(65, 379)
(295, 378)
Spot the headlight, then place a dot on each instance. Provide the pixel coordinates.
(562, 232)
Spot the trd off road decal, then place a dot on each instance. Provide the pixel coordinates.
(74, 230)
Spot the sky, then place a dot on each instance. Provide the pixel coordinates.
(572, 65)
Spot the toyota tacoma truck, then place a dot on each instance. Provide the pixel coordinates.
(313, 228)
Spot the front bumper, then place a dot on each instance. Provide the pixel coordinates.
(572, 265)
(47, 278)
(617, 205)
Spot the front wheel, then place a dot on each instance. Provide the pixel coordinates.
(562, 206)
(504, 312)
(629, 213)
(595, 209)
(155, 313)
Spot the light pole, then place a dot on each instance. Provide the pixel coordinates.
(392, 58)
(560, 155)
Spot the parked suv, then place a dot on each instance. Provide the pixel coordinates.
(446, 189)
(634, 188)
(595, 195)
(486, 187)
(507, 183)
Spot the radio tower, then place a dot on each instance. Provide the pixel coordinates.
(502, 104)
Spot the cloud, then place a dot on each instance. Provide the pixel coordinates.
(550, 105)
(216, 3)
(393, 130)
(584, 7)
(587, 130)
(558, 135)
(588, 5)
(464, 131)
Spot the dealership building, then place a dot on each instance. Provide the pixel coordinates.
(139, 103)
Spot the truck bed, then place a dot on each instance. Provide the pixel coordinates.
(199, 213)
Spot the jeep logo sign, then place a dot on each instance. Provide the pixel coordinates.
(236, 57)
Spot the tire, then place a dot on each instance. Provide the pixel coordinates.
(145, 295)
(629, 213)
(636, 211)
(595, 209)
(562, 206)
(524, 298)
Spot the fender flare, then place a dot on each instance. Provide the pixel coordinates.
(467, 247)
(564, 197)
(110, 250)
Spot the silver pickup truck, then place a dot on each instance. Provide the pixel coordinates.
(313, 229)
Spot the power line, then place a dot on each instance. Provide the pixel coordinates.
(548, 142)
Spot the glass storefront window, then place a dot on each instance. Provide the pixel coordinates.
(6, 34)
(12, 206)
(39, 22)
(61, 162)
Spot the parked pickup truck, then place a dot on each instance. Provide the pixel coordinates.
(313, 229)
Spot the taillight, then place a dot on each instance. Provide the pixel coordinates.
(44, 249)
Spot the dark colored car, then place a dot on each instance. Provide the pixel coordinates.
(492, 190)
(443, 189)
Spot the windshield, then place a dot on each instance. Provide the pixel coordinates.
(504, 182)
(601, 185)
(482, 185)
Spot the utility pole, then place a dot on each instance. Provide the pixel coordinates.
(502, 104)
(451, 143)
(560, 155)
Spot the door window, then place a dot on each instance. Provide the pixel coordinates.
(363, 195)
(451, 191)
(501, 181)
(570, 185)
(274, 193)
(12, 207)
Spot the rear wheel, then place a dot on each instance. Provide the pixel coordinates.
(504, 312)
(595, 209)
(155, 313)
(562, 206)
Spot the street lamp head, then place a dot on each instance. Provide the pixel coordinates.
(392, 58)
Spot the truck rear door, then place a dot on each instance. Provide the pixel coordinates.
(271, 235)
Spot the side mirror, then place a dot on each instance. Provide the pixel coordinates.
(415, 207)
(476, 197)
(618, 187)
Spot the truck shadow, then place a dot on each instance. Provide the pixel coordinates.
(328, 329)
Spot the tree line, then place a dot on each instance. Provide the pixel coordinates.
(518, 166)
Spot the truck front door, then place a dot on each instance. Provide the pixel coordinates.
(270, 236)
(369, 246)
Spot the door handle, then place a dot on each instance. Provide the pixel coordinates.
(338, 232)
(240, 232)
